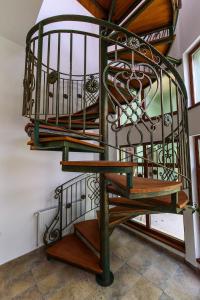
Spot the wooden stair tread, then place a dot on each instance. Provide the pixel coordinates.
(76, 124)
(118, 215)
(61, 130)
(158, 14)
(94, 108)
(75, 117)
(123, 209)
(49, 130)
(90, 231)
(79, 122)
(100, 8)
(72, 250)
(66, 139)
(143, 185)
(161, 46)
(99, 163)
(162, 200)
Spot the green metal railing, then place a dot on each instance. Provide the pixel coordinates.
(131, 80)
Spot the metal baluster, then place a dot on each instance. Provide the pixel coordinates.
(178, 122)
(61, 211)
(32, 72)
(70, 80)
(68, 87)
(84, 90)
(63, 98)
(44, 85)
(47, 83)
(38, 85)
(67, 204)
(26, 72)
(172, 125)
(162, 116)
(71, 205)
(77, 93)
(72, 101)
(58, 81)
(52, 112)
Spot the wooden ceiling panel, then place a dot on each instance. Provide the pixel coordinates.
(105, 3)
(122, 8)
(157, 15)
(101, 8)
(147, 17)
(94, 8)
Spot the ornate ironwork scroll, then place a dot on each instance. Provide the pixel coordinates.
(94, 188)
(52, 232)
(133, 103)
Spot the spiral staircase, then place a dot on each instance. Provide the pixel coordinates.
(135, 98)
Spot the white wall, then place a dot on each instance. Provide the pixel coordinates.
(71, 7)
(17, 17)
(27, 178)
(188, 33)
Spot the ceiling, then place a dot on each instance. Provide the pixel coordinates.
(17, 17)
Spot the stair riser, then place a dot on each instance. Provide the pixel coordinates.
(143, 196)
(153, 209)
(87, 243)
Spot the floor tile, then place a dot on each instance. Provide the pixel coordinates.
(142, 272)
(143, 290)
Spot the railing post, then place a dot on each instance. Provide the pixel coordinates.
(24, 108)
(61, 210)
(106, 278)
(38, 84)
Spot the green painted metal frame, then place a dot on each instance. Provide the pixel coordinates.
(107, 277)
(112, 27)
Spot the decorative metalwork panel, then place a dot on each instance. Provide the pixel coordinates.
(76, 199)
(132, 103)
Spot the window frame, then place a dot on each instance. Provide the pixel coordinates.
(191, 76)
(197, 159)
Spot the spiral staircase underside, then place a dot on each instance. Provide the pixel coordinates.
(144, 18)
(153, 20)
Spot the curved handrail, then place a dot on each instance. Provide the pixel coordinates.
(64, 194)
(112, 27)
(69, 182)
(160, 63)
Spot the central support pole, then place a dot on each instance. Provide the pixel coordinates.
(106, 278)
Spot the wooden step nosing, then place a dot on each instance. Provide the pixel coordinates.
(89, 261)
(139, 196)
(87, 242)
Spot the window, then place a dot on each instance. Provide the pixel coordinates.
(194, 69)
(167, 228)
(197, 150)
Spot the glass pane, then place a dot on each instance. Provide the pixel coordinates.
(153, 104)
(196, 74)
(170, 224)
(140, 219)
(199, 150)
(131, 114)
